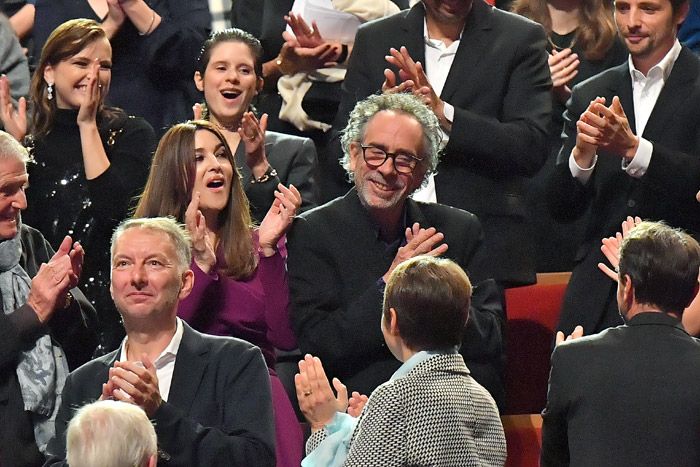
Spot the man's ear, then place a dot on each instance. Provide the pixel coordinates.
(681, 13)
(199, 81)
(187, 284)
(627, 289)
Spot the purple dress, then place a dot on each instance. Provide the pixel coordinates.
(255, 310)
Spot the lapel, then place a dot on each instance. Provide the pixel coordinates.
(414, 214)
(190, 364)
(412, 26)
(672, 96)
(473, 45)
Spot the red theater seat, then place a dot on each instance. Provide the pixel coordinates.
(533, 313)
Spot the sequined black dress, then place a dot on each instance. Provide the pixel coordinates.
(61, 201)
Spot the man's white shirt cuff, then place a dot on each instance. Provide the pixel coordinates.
(639, 164)
(578, 172)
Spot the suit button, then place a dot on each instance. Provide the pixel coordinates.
(631, 203)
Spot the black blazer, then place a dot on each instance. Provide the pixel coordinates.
(335, 262)
(666, 192)
(499, 85)
(629, 396)
(218, 413)
(294, 159)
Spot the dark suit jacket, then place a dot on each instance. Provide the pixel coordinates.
(629, 396)
(500, 86)
(73, 328)
(218, 413)
(666, 192)
(335, 262)
(294, 159)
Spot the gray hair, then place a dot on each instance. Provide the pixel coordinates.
(399, 102)
(177, 233)
(10, 148)
(110, 434)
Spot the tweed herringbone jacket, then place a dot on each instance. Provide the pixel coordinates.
(436, 415)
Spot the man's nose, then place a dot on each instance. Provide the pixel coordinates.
(20, 200)
(138, 276)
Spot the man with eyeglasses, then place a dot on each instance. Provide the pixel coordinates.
(341, 253)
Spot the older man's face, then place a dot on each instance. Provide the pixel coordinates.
(13, 181)
(147, 280)
(384, 187)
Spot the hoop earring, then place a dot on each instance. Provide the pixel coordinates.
(49, 91)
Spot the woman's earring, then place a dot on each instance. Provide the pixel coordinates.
(49, 91)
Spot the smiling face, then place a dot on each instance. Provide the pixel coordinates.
(648, 28)
(13, 181)
(70, 76)
(213, 172)
(229, 81)
(147, 280)
(384, 188)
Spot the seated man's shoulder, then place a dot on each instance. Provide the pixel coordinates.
(439, 214)
(273, 137)
(598, 85)
(228, 345)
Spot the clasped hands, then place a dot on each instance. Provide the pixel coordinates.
(54, 279)
(317, 401)
(606, 128)
(134, 383)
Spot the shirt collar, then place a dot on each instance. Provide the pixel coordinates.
(664, 66)
(170, 351)
(417, 358)
(433, 42)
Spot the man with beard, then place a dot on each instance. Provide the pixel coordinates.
(341, 253)
(631, 148)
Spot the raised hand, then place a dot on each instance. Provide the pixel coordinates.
(54, 279)
(115, 18)
(279, 218)
(316, 399)
(13, 119)
(563, 66)
(296, 59)
(136, 383)
(616, 135)
(587, 134)
(203, 249)
(305, 35)
(356, 403)
(611, 247)
(252, 133)
(578, 332)
(389, 85)
(87, 114)
(419, 241)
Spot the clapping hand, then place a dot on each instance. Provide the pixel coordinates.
(279, 218)
(611, 247)
(563, 66)
(316, 399)
(252, 133)
(135, 383)
(203, 248)
(419, 241)
(13, 119)
(577, 332)
(356, 403)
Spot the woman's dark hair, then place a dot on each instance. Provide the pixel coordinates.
(168, 192)
(230, 35)
(596, 31)
(66, 40)
(431, 297)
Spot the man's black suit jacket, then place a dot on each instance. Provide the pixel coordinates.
(218, 413)
(499, 85)
(335, 263)
(666, 192)
(629, 396)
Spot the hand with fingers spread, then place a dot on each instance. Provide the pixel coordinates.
(203, 248)
(305, 35)
(563, 66)
(278, 219)
(54, 279)
(87, 114)
(135, 383)
(577, 332)
(587, 134)
(611, 247)
(296, 59)
(252, 133)
(419, 241)
(414, 71)
(390, 87)
(615, 133)
(14, 120)
(356, 403)
(316, 399)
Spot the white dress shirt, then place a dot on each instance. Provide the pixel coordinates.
(438, 61)
(645, 92)
(165, 363)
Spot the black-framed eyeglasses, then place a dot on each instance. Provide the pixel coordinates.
(375, 157)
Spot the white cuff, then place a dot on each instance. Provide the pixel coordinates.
(578, 172)
(449, 111)
(639, 164)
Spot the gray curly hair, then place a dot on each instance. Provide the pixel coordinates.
(402, 103)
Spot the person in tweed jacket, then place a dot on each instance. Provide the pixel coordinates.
(431, 412)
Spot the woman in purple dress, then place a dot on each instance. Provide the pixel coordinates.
(240, 276)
